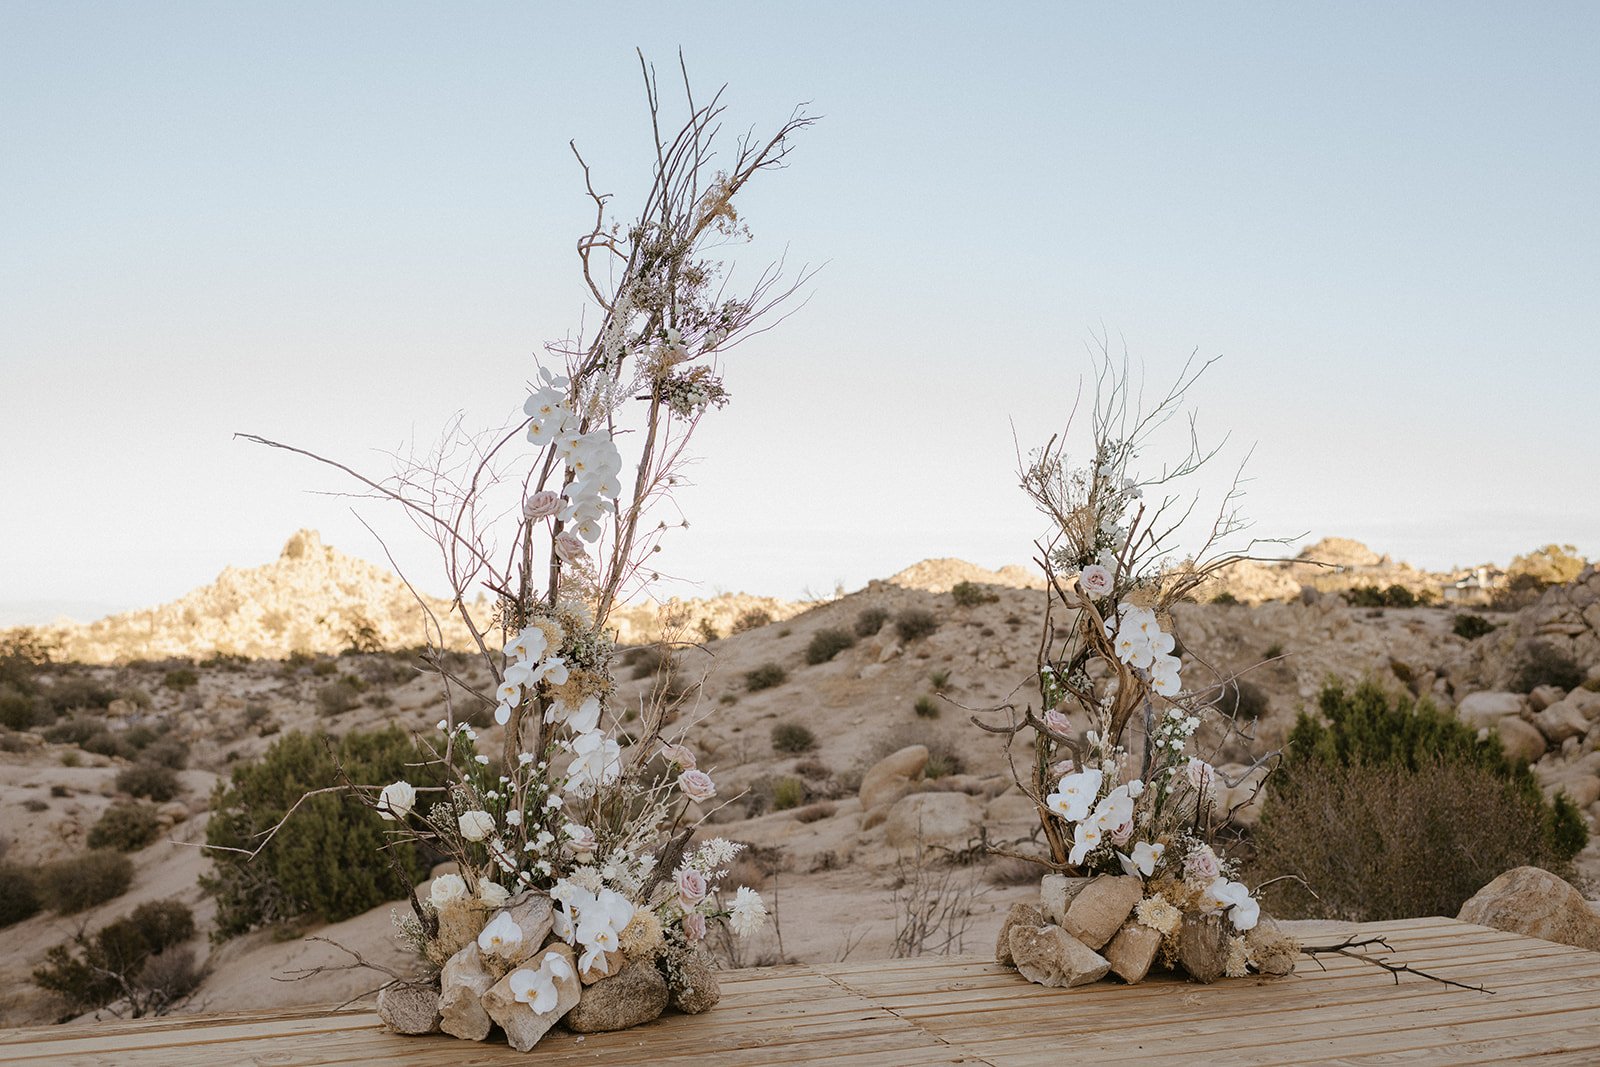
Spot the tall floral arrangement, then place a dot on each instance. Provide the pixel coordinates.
(579, 893)
(1128, 807)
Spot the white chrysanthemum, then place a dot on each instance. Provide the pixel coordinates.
(1159, 914)
(747, 913)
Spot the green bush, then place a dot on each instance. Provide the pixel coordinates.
(765, 676)
(926, 707)
(971, 594)
(181, 678)
(1390, 809)
(939, 679)
(1471, 627)
(1225, 598)
(167, 752)
(1395, 596)
(914, 623)
(1541, 663)
(870, 621)
(1243, 700)
(788, 793)
(92, 972)
(77, 692)
(18, 710)
(150, 780)
(792, 738)
(826, 644)
(106, 743)
(19, 894)
(326, 860)
(753, 619)
(125, 827)
(83, 881)
(339, 696)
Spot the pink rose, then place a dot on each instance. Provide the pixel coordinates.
(682, 755)
(1095, 580)
(542, 505)
(570, 547)
(582, 838)
(1202, 776)
(691, 887)
(1058, 722)
(697, 785)
(1201, 865)
(1121, 834)
(694, 926)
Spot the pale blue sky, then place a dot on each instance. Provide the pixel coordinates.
(335, 224)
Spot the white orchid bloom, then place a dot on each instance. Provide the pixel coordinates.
(1146, 856)
(520, 672)
(530, 644)
(582, 721)
(509, 692)
(536, 987)
(1165, 677)
(1086, 838)
(1244, 912)
(553, 670)
(1075, 793)
(502, 714)
(502, 937)
(596, 761)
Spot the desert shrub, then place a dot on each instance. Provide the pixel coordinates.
(59, 790)
(823, 809)
(324, 668)
(117, 962)
(149, 780)
(792, 738)
(320, 862)
(1542, 663)
(826, 644)
(75, 730)
(765, 676)
(1422, 812)
(914, 623)
(926, 707)
(811, 767)
(1225, 598)
(1380, 841)
(106, 743)
(19, 894)
(167, 752)
(652, 659)
(971, 594)
(34, 805)
(181, 678)
(1471, 627)
(1370, 596)
(256, 714)
(753, 619)
(79, 882)
(708, 630)
(77, 692)
(944, 755)
(1273, 651)
(939, 679)
(1243, 700)
(869, 621)
(18, 710)
(340, 695)
(125, 827)
(788, 792)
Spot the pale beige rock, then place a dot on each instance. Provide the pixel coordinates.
(948, 819)
(1587, 700)
(1203, 947)
(1021, 914)
(1478, 710)
(1522, 740)
(1101, 907)
(894, 771)
(534, 914)
(694, 988)
(463, 982)
(1132, 951)
(634, 995)
(523, 1026)
(1560, 721)
(1056, 892)
(409, 1009)
(1049, 956)
(1545, 695)
(1535, 903)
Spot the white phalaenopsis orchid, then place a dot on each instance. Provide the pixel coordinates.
(502, 937)
(1144, 859)
(1243, 911)
(536, 987)
(1075, 794)
(582, 721)
(596, 762)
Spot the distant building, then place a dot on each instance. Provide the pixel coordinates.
(1476, 588)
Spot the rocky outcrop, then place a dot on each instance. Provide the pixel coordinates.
(891, 777)
(951, 820)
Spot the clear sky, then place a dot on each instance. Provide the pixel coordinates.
(336, 224)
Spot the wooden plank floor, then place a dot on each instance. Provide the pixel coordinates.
(952, 1010)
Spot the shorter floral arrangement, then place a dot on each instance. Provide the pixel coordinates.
(1129, 811)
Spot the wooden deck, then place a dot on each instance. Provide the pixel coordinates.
(966, 1010)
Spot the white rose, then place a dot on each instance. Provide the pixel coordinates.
(397, 800)
(493, 894)
(476, 825)
(445, 888)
